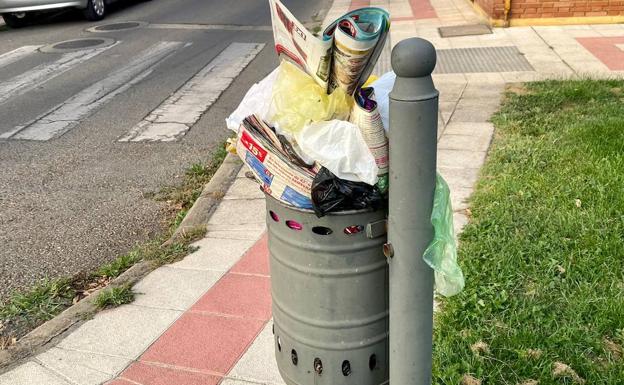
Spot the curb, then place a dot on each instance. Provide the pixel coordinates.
(211, 195)
(37, 340)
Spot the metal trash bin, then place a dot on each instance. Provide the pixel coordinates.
(329, 281)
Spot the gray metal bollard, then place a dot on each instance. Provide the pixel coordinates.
(413, 147)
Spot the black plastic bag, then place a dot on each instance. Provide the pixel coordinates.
(330, 194)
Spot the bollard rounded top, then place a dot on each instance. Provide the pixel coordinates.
(413, 58)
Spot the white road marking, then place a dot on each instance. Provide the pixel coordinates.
(17, 54)
(68, 114)
(225, 27)
(35, 77)
(176, 115)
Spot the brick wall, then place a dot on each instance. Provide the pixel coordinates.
(524, 9)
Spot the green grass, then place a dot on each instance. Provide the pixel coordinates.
(113, 297)
(544, 252)
(119, 265)
(162, 253)
(26, 310)
(43, 302)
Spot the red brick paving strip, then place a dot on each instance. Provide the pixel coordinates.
(421, 9)
(159, 375)
(605, 49)
(355, 4)
(205, 343)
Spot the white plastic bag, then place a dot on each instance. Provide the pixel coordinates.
(382, 87)
(256, 101)
(339, 146)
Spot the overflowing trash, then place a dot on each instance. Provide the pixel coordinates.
(312, 113)
(314, 131)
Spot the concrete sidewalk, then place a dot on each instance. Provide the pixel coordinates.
(207, 318)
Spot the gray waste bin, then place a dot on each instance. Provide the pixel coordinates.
(329, 282)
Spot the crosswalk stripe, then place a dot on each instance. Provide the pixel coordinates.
(176, 115)
(68, 114)
(17, 54)
(42, 73)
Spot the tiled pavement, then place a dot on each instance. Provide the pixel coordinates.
(206, 319)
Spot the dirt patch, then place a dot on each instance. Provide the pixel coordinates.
(517, 88)
(480, 347)
(470, 380)
(534, 353)
(561, 370)
(613, 349)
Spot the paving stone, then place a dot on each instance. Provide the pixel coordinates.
(204, 342)
(459, 222)
(256, 259)
(483, 93)
(258, 363)
(31, 373)
(142, 373)
(460, 177)
(229, 381)
(238, 295)
(235, 212)
(217, 254)
(244, 188)
(446, 111)
(82, 368)
(464, 142)
(176, 289)
(460, 159)
(485, 129)
(465, 30)
(459, 197)
(474, 113)
(240, 232)
(493, 79)
(125, 331)
(439, 79)
(242, 172)
(450, 92)
(119, 381)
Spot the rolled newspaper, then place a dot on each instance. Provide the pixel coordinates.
(345, 54)
(365, 115)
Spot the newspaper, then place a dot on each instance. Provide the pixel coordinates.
(366, 116)
(345, 54)
(282, 174)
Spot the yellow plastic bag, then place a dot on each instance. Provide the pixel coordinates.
(298, 100)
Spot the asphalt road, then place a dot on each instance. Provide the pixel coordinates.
(74, 200)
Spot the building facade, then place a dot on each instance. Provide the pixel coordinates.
(549, 12)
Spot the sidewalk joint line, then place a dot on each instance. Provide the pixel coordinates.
(250, 274)
(53, 371)
(246, 348)
(461, 95)
(224, 315)
(553, 50)
(181, 368)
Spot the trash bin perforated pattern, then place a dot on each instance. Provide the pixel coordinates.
(330, 296)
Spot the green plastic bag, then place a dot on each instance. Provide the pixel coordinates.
(441, 254)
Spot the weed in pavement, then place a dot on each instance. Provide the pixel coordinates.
(181, 198)
(26, 310)
(118, 265)
(544, 253)
(114, 296)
